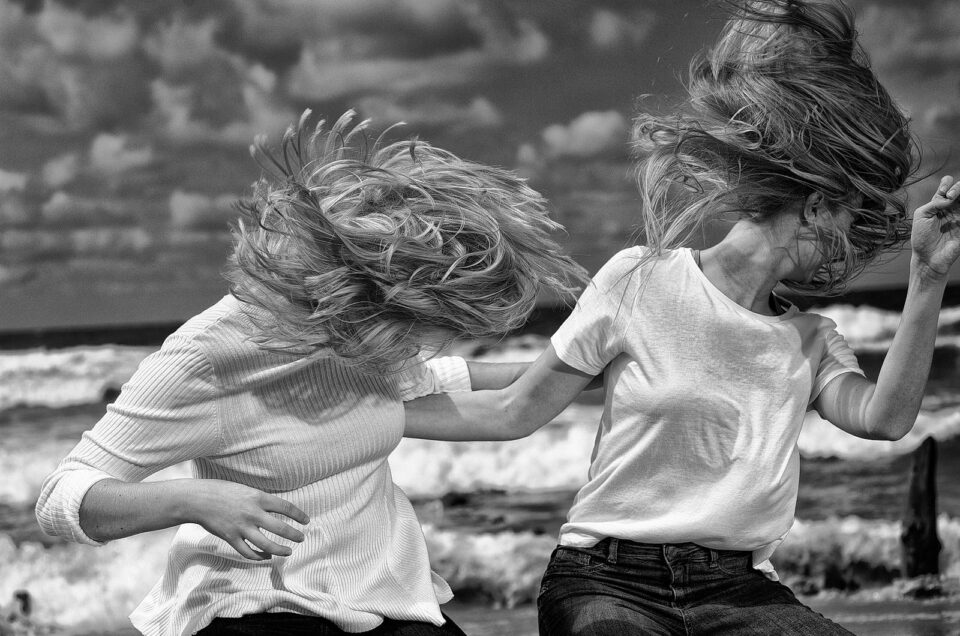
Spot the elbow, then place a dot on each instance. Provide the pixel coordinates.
(518, 420)
(891, 429)
(894, 434)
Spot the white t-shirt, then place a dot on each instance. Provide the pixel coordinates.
(704, 403)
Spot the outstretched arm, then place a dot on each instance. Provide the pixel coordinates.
(539, 395)
(889, 408)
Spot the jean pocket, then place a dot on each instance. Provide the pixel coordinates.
(735, 564)
(575, 560)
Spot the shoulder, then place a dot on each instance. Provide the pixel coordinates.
(635, 266)
(188, 356)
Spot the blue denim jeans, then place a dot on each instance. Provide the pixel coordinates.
(620, 587)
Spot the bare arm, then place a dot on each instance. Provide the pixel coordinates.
(889, 408)
(495, 375)
(114, 509)
(545, 389)
(499, 375)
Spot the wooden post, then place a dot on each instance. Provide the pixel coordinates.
(920, 544)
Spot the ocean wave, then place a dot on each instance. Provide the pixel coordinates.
(820, 438)
(555, 458)
(79, 587)
(84, 375)
(65, 377)
(864, 551)
(872, 329)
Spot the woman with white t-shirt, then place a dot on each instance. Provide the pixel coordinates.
(286, 396)
(708, 373)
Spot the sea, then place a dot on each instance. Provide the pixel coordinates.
(490, 510)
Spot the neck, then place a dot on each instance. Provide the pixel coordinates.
(748, 264)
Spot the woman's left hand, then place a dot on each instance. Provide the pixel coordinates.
(935, 237)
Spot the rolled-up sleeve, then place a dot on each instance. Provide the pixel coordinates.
(436, 375)
(166, 414)
(838, 358)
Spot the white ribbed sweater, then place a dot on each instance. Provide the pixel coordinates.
(309, 430)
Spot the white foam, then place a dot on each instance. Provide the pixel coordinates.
(820, 438)
(843, 540)
(555, 457)
(80, 587)
(64, 377)
(870, 329)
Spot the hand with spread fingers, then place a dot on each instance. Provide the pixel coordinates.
(239, 514)
(935, 236)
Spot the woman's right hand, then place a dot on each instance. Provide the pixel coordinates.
(237, 514)
(113, 509)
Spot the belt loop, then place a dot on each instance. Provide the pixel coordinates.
(612, 550)
(714, 556)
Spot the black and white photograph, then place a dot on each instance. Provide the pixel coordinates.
(484, 317)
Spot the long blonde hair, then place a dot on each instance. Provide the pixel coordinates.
(784, 105)
(375, 251)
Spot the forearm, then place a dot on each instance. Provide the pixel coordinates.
(494, 375)
(892, 409)
(466, 416)
(114, 509)
(544, 390)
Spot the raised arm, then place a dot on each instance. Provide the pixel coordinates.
(539, 395)
(889, 408)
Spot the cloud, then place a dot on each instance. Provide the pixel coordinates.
(609, 30)
(480, 112)
(15, 181)
(195, 210)
(101, 38)
(589, 134)
(336, 66)
(917, 38)
(110, 155)
(112, 241)
(13, 210)
(31, 245)
(14, 274)
(60, 63)
(232, 107)
(63, 210)
(181, 46)
(60, 171)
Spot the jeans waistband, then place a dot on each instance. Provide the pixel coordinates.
(615, 550)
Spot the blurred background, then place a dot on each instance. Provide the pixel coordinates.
(124, 128)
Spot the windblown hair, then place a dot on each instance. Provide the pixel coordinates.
(375, 252)
(784, 105)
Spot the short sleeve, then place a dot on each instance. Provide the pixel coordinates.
(592, 335)
(436, 375)
(165, 414)
(838, 358)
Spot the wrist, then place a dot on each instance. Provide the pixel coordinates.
(180, 500)
(922, 273)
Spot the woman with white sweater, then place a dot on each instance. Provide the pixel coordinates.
(356, 262)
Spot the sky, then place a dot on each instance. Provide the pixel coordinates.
(125, 124)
